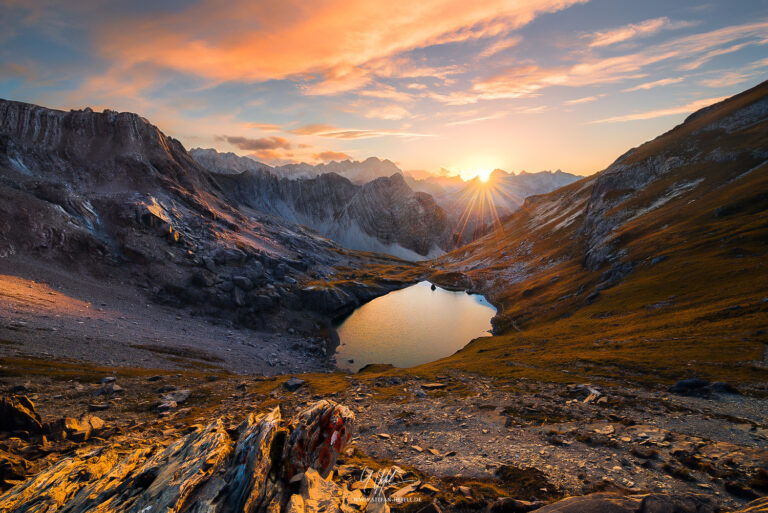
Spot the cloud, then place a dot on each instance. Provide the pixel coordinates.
(242, 40)
(655, 83)
(331, 155)
(390, 112)
(577, 101)
(684, 109)
(500, 46)
(263, 143)
(265, 127)
(312, 129)
(271, 156)
(529, 79)
(645, 28)
(497, 115)
(322, 130)
(727, 79)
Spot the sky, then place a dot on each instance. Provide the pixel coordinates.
(465, 86)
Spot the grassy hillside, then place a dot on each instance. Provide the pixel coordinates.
(653, 270)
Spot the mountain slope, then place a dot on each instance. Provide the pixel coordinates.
(383, 214)
(477, 206)
(651, 269)
(109, 195)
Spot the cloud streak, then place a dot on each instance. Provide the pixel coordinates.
(263, 143)
(657, 113)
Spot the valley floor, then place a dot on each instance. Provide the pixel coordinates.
(49, 313)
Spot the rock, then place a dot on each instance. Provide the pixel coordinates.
(691, 387)
(428, 488)
(433, 386)
(243, 283)
(510, 505)
(17, 413)
(465, 491)
(650, 503)
(201, 471)
(12, 467)
(95, 422)
(177, 396)
(209, 264)
(384, 436)
(20, 389)
(98, 406)
(293, 384)
(108, 379)
(110, 388)
(319, 434)
(421, 393)
(756, 506)
(166, 388)
(701, 388)
(164, 405)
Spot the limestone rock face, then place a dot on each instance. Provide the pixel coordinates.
(203, 471)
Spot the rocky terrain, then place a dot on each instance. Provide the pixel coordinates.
(453, 442)
(156, 330)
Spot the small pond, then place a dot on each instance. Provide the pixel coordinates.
(412, 326)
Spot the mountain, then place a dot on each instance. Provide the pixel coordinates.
(358, 172)
(383, 214)
(107, 195)
(226, 163)
(479, 206)
(474, 207)
(652, 269)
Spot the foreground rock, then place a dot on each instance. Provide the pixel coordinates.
(204, 471)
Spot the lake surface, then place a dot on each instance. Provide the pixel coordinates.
(412, 326)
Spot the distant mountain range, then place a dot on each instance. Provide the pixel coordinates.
(358, 172)
(475, 207)
(372, 205)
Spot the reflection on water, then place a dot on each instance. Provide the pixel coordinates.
(412, 326)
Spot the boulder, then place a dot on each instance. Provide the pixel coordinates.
(318, 435)
(701, 388)
(293, 384)
(17, 413)
(691, 387)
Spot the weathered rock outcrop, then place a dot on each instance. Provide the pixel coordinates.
(204, 471)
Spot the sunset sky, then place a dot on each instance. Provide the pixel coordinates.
(462, 85)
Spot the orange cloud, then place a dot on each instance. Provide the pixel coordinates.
(645, 28)
(263, 143)
(350, 133)
(248, 40)
(331, 155)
